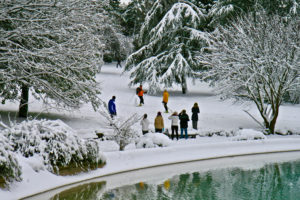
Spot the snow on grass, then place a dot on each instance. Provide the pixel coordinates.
(219, 122)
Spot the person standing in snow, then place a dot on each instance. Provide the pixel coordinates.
(165, 100)
(174, 124)
(195, 111)
(140, 92)
(159, 123)
(119, 64)
(145, 124)
(112, 107)
(184, 118)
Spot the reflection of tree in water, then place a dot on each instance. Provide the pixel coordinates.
(88, 191)
(273, 181)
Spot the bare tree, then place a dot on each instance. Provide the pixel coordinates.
(256, 58)
(123, 133)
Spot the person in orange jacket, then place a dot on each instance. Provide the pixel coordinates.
(165, 100)
(140, 92)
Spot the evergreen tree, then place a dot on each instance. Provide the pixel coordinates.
(224, 11)
(117, 45)
(134, 15)
(167, 43)
(52, 49)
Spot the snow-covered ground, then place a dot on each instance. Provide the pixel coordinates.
(215, 115)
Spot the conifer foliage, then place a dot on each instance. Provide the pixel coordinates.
(167, 42)
(224, 11)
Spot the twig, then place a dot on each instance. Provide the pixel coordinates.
(254, 119)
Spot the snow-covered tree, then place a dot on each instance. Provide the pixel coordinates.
(134, 15)
(168, 41)
(256, 59)
(224, 11)
(51, 48)
(117, 45)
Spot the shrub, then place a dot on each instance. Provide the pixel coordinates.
(249, 134)
(56, 142)
(10, 169)
(152, 140)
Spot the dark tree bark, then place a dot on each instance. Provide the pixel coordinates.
(23, 108)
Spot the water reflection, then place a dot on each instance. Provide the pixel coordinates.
(89, 191)
(273, 181)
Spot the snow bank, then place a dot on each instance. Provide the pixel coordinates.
(248, 134)
(151, 140)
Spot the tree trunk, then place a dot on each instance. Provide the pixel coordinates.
(183, 86)
(122, 145)
(23, 108)
(270, 125)
(273, 121)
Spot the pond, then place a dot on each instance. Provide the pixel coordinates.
(272, 176)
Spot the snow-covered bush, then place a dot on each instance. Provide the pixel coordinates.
(10, 169)
(56, 143)
(249, 134)
(151, 140)
(287, 131)
(216, 132)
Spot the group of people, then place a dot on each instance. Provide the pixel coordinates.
(140, 93)
(182, 118)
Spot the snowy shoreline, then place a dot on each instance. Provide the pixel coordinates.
(118, 162)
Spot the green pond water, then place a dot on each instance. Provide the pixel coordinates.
(276, 181)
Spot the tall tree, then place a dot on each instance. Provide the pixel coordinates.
(50, 48)
(168, 41)
(134, 15)
(256, 58)
(117, 45)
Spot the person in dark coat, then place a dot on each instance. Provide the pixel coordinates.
(112, 107)
(195, 111)
(184, 118)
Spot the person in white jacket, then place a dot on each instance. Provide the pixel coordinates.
(145, 124)
(174, 124)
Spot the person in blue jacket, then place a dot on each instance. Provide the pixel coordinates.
(112, 107)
